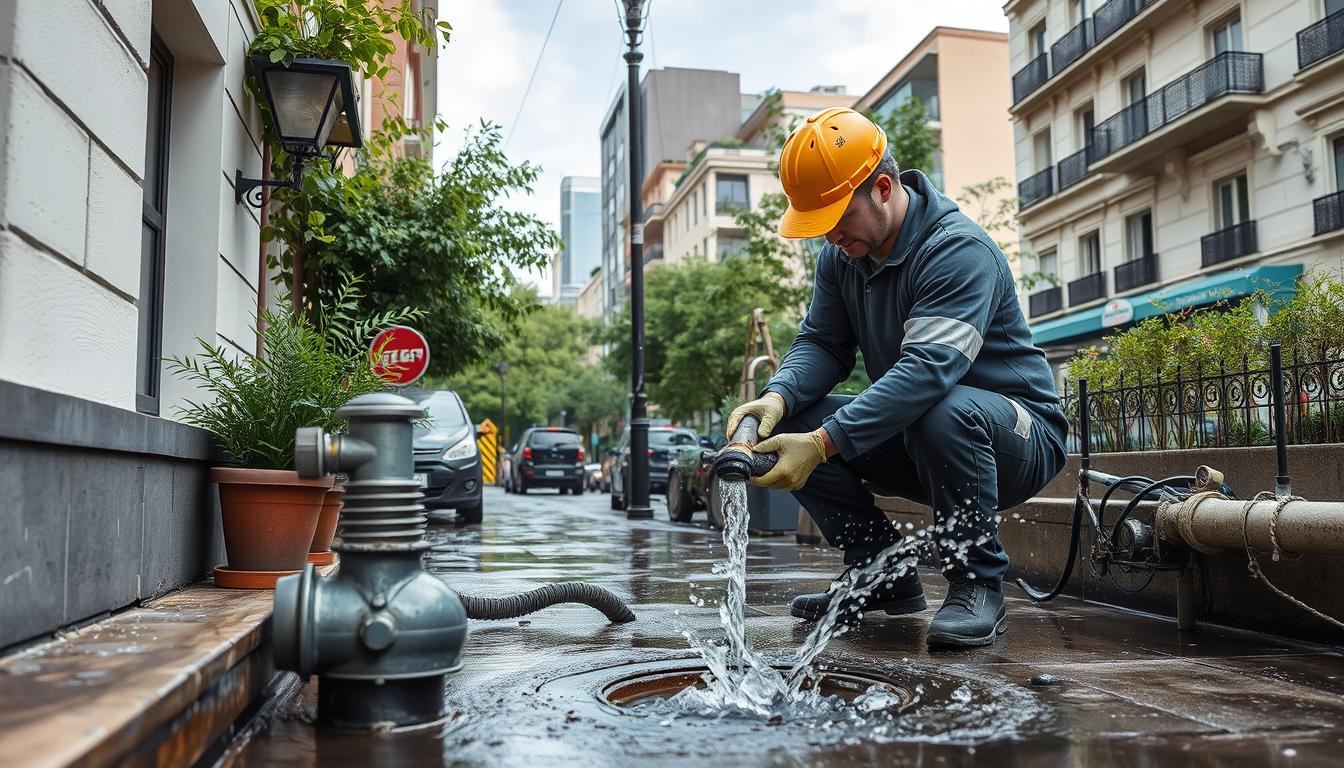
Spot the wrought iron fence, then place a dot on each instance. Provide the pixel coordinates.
(1046, 301)
(1073, 168)
(1036, 187)
(1087, 288)
(1228, 243)
(1218, 408)
(1132, 274)
(1072, 45)
(1115, 14)
(1321, 40)
(1328, 211)
(1030, 77)
(1228, 72)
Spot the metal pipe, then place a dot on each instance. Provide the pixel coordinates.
(638, 506)
(1283, 487)
(1209, 523)
(1185, 597)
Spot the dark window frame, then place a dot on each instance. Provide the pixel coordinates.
(154, 213)
(723, 205)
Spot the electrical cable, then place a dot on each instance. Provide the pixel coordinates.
(533, 77)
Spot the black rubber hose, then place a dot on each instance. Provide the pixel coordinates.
(513, 606)
(1076, 528)
(1151, 490)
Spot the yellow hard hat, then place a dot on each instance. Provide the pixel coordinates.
(823, 161)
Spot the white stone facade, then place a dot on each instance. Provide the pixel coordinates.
(1278, 133)
(73, 104)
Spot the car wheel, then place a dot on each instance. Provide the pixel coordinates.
(680, 506)
(577, 490)
(471, 515)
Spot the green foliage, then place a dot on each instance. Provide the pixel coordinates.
(442, 242)
(695, 324)
(546, 375)
(997, 214)
(1231, 337)
(357, 32)
(301, 379)
(909, 138)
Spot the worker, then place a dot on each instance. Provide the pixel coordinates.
(962, 414)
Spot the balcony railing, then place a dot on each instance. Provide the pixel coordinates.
(1073, 168)
(1072, 45)
(1138, 272)
(1226, 244)
(1328, 212)
(1088, 288)
(1045, 302)
(1228, 72)
(1321, 40)
(1036, 187)
(1030, 77)
(1113, 15)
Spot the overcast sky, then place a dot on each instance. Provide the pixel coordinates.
(786, 44)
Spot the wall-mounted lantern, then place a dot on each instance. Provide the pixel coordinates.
(313, 106)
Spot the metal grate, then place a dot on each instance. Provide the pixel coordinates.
(1045, 302)
(1073, 168)
(1321, 40)
(1085, 289)
(1111, 16)
(1072, 45)
(1328, 212)
(1031, 77)
(1133, 274)
(1226, 244)
(1036, 187)
(1228, 72)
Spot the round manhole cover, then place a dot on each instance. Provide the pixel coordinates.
(653, 685)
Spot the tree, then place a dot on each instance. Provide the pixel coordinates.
(443, 243)
(695, 326)
(909, 138)
(997, 213)
(545, 375)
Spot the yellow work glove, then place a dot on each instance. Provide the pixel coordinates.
(769, 409)
(799, 454)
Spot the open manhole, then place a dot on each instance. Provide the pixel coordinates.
(647, 687)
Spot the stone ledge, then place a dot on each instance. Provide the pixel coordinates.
(198, 659)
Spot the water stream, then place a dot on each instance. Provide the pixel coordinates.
(743, 682)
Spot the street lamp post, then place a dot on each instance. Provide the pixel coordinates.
(502, 439)
(638, 500)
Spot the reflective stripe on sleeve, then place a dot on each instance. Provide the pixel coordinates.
(946, 331)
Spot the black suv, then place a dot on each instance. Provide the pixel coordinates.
(663, 443)
(446, 455)
(547, 457)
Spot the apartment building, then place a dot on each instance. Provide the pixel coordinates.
(1173, 153)
(121, 244)
(960, 76)
(679, 105)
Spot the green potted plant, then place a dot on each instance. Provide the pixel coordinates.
(301, 378)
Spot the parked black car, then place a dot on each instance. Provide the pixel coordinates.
(663, 443)
(446, 457)
(547, 457)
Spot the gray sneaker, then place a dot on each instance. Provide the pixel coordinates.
(973, 614)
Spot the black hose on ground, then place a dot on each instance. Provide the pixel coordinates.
(513, 606)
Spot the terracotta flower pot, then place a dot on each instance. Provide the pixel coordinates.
(320, 552)
(270, 516)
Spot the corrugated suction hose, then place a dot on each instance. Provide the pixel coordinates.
(512, 606)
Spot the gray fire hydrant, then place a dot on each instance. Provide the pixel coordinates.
(382, 634)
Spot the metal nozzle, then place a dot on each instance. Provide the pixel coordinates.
(738, 460)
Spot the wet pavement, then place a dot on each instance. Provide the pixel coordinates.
(1123, 688)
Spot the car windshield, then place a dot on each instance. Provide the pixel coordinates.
(444, 411)
(554, 440)
(659, 438)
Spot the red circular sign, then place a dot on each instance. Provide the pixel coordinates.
(401, 355)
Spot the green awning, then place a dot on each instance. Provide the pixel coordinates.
(1280, 281)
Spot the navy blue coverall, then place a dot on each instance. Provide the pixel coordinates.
(962, 413)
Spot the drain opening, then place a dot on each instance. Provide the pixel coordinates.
(650, 687)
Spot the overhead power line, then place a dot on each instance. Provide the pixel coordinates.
(535, 67)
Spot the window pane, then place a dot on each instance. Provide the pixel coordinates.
(553, 439)
(147, 378)
(1338, 145)
(152, 127)
(1050, 262)
(1333, 6)
(730, 192)
(1225, 206)
(1243, 201)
